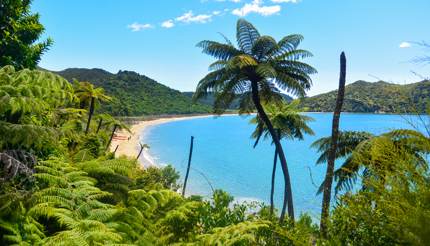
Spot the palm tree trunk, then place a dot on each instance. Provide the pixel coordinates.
(332, 154)
(99, 125)
(90, 115)
(111, 137)
(272, 189)
(140, 151)
(288, 196)
(188, 166)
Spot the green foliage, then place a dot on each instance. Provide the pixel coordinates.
(346, 175)
(37, 115)
(376, 97)
(393, 205)
(30, 102)
(20, 228)
(286, 119)
(220, 212)
(19, 32)
(365, 154)
(58, 186)
(84, 197)
(258, 62)
(136, 95)
(158, 178)
(244, 233)
(394, 210)
(209, 99)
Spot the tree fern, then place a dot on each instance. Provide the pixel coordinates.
(245, 233)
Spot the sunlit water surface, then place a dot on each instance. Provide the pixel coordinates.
(224, 156)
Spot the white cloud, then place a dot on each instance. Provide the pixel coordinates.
(135, 27)
(405, 45)
(216, 12)
(234, 1)
(257, 7)
(189, 17)
(285, 1)
(168, 24)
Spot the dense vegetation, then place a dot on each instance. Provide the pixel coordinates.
(19, 32)
(60, 187)
(209, 99)
(253, 73)
(134, 94)
(376, 97)
(60, 184)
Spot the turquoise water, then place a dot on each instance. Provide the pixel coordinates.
(224, 157)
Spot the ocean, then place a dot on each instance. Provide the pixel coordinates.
(224, 157)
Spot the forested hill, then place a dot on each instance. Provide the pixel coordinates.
(135, 94)
(210, 99)
(378, 97)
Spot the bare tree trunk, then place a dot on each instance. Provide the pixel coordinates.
(114, 152)
(142, 146)
(272, 188)
(288, 196)
(111, 137)
(332, 154)
(90, 115)
(99, 125)
(188, 167)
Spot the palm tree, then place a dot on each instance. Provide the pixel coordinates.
(347, 142)
(357, 150)
(253, 73)
(88, 94)
(105, 120)
(117, 125)
(289, 124)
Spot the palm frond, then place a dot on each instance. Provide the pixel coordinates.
(219, 51)
(246, 35)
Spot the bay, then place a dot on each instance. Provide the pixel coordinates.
(224, 157)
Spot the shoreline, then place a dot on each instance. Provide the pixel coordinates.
(130, 146)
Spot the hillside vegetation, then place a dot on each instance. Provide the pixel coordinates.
(379, 97)
(134, 94)
(61, 185)
(209, 99)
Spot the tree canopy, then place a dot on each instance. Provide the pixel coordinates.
(20, 30)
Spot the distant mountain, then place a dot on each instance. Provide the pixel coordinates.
(210, 99)
(135, 94)
(378, 97)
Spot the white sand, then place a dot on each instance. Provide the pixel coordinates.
(131, 147)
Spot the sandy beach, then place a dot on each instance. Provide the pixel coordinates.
(128, 143)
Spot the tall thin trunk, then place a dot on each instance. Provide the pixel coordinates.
(140, 151)
(332, 154)
(272, 188)
(288, 196)
(188, 167)
(99, 125)
(114, 152)
(90, 115)
(111, 137)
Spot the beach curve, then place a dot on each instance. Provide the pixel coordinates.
(128, 143)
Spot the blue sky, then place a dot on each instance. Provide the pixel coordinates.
(158, 37)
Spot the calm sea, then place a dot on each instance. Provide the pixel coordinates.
(224, 157)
